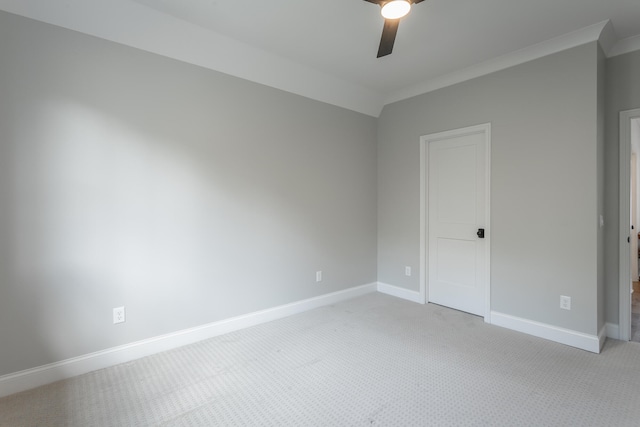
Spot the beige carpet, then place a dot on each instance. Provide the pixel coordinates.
(371, 361)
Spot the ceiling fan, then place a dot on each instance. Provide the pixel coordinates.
(392, 11)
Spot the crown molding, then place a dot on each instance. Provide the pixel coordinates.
(162, 34)
(607, 38)
(623, 46)
(558, 44)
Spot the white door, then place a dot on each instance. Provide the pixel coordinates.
(457, 191)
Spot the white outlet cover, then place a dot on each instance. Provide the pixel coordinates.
(565, 302)
(118, 315)
(407, 271)
(318, 276)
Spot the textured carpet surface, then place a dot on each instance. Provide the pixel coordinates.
(371, 361)
(635, 312)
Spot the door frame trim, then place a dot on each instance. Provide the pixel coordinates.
(624, 262)
(484, 129)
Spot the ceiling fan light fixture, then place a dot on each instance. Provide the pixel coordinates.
(395, 9)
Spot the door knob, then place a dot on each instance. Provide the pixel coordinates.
(480, 233)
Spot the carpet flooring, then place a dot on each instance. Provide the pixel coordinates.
(635, 312)
(371, 361)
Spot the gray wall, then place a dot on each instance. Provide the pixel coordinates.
(544, 183)
(186, 195)
(190, 196)
(622, 93)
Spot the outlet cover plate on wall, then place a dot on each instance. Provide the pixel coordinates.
(118, 315)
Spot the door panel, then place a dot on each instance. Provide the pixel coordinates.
(455, 262)
(455, 169)
(456, 195)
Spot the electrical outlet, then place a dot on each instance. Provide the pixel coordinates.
(318, 276)
(118, 315)
(407, 271)
(565, 302)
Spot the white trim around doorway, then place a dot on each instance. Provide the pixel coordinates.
(424, 207)
(624, 326)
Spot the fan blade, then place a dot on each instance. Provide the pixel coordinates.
(378, 1)
(388, 37)
(415, 1)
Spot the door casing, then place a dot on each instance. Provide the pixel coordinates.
(624, 311)
(484, 129)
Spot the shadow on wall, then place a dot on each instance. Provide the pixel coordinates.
(203, 199)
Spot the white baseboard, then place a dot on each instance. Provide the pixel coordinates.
(613, 331)
(602, 337)
(35, 377)
(550, 332)
(400, 292)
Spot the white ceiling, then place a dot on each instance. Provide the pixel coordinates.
(326, 49)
